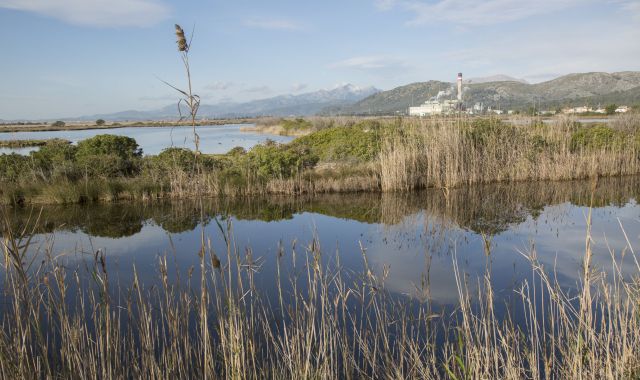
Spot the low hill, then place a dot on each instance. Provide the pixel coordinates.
(569, 90)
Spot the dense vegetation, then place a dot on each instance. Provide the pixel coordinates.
(368, 155)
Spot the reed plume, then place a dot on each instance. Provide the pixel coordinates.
(181, 40)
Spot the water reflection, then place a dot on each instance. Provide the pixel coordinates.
(414, 237)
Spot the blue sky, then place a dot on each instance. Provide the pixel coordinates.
(78, 57)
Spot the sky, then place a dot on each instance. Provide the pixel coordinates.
(65, 58)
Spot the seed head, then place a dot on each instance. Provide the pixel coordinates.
(181, 40)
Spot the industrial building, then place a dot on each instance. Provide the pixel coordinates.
(438, 106)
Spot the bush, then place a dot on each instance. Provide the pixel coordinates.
(598, 137)
(100, 122)
(58, 124)
(482, 131)
(13, 166)
(56, 159)
(276, 161)
(109, 155)
(172, 158)
(360, 142)
(298, 124)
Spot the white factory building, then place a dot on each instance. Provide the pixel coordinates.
(436, 106)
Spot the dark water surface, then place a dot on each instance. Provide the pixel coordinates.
(414, 237)
(213, 139)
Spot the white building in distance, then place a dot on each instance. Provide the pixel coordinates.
(434, 107)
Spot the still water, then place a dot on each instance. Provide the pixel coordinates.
(213, 139)
(414, 238)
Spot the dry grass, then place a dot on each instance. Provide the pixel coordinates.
(454, 153)
(323, 322)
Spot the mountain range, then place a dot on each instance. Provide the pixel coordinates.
(498, 91)
(306, 104)
(569, 90)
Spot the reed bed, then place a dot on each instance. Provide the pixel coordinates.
(322, 321)
(448, 154)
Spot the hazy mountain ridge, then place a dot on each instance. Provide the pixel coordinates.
(494, 78)
(284, 105)
(569, 90)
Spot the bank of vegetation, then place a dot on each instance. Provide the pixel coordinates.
(369, 155)
(297, 126)
(30, 143)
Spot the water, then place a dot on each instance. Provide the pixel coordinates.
(23, 151)
(213, 139)
(415, 237)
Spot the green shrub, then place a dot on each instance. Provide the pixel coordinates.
(14, 167)
(122, 146)
(109, 156)
(237, 151)
(360, 142)
(276, 161)
(298, 124)
(177, 158)
(483, 131)
(56, 159)
(598, 137)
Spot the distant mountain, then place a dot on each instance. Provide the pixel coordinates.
(284, 105)
(494, 78)
(569, 90)
(394, 101)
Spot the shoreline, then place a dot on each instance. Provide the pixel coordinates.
(275, 130)
(308, 189)
(13, 128)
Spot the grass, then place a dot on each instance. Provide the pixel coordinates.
(446, 155)
(367, 155)
(323, 321)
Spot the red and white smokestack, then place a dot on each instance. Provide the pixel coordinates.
(459, 87)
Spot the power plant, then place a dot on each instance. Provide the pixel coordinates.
(437, 105)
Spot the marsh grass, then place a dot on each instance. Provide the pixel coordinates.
(453, 153)
(323, 321)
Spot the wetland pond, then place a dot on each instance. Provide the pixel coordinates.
(410, 240)
(214, 139)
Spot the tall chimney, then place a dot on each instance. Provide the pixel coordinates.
(459, 87)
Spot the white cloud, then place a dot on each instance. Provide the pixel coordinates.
(258, 90)
(552, 52)
(370, 63)
(299, 87)
(472, 12)
(385, 4)
(219, 86)
(97, 13)
(159, 98)
(633, 7)
(272, 24)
